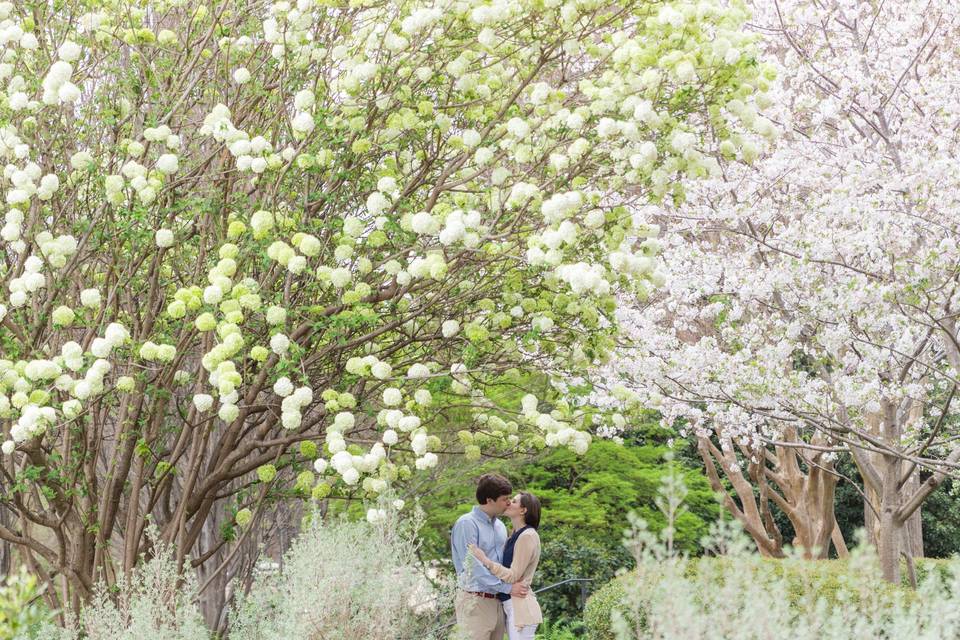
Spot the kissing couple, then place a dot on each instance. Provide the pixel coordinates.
(494, 571)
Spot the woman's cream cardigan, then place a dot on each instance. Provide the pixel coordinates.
(526, 555)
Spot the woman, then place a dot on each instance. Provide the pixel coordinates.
(520, 557)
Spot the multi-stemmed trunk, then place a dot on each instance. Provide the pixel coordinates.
(799, 480)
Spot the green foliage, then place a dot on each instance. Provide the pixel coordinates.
(596, 614)
(550, 631)
(21, 611)
(940, 514)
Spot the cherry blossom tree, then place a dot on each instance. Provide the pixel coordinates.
(246, 243)
(813, 294)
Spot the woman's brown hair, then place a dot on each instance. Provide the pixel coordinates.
(531, 503)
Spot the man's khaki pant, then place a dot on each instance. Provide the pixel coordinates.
(479, 618)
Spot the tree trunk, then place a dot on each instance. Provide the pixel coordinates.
(913, 527)
(839, 544)
(764, 531)
(6, 549)
(798, 480)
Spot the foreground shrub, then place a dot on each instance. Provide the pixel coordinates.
(154, 603)
(740, 596)
(340, 580)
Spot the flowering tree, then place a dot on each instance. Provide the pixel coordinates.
(813, 297)
(248, 237)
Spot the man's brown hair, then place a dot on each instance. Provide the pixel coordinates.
(491, 486)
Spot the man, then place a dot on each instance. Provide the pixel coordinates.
(478, 603)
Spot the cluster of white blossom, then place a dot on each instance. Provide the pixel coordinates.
(802, 291)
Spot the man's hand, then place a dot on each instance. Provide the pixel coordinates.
(519, 590)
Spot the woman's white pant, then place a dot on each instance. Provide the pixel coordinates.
(524, 633)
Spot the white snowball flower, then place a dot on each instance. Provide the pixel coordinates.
(8, 447)
(164, 238)
(202, 401)
(276, 315)
(69, 51)
(343, 421)
(303, 396)
(340, 277)
(423, 223)
(228, 412)
(18, 101)
(100, 347)
(386, 184)
(390, 437)
(428, 461)
(291, 419)
(241, 75)
(279, 344)
(518, 127)
(81, 160)
(392, 396)
(381, 370)
(212, 294)
(377, 203)
(303, 123)
(283, 387)
(471, 137)
(68, 92)
(529, 403)
(375, 516)
(168, 163)
(304, 99)
(418, 371)
(450, 328)
(297, 264)
(408, 423)
(351, 476)
(90, 298)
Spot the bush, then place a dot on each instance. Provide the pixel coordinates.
(155, 603)
(597, 614)
(341, 580)
(740, 596)
(549, 631)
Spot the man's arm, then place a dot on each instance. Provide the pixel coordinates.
(458, 545)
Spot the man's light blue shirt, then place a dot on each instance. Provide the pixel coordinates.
(490, 535)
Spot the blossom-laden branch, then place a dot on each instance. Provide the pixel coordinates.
(817, 288)
(244, 237)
